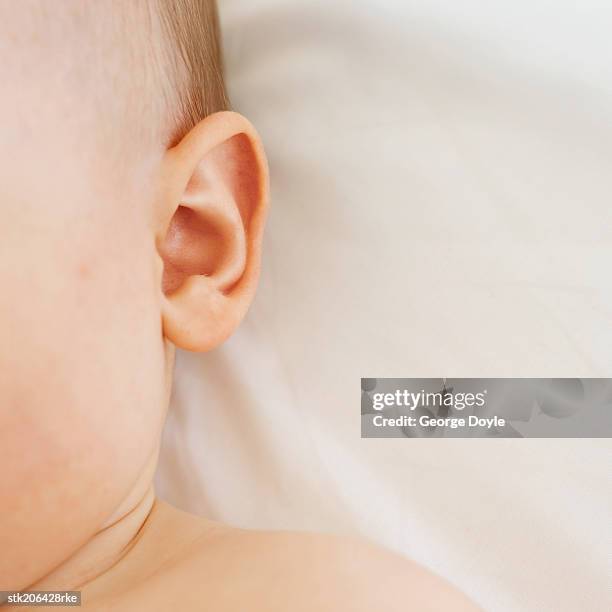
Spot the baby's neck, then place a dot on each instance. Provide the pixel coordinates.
(104, 550)
(113, 540)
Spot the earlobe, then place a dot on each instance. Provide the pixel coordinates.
(214, 208)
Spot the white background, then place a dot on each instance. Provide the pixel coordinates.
(441, 184)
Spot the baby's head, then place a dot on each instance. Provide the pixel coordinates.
(132, 217)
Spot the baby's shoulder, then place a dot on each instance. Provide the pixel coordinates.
(233, 569)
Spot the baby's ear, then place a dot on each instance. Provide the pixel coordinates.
(212, 210)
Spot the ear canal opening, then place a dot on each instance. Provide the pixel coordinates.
(193, 246)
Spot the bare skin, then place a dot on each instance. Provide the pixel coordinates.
(179, 560)
(116, 248)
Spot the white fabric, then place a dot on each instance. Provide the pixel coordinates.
(441, 189)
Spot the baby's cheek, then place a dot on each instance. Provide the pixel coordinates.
(81, 391)
(118, 365)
